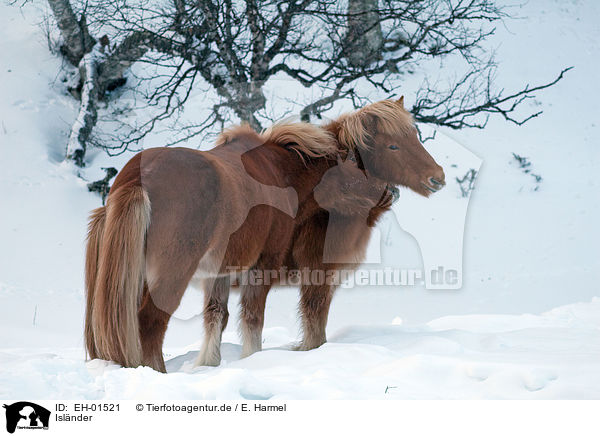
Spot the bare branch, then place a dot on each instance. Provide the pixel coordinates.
(458, 109)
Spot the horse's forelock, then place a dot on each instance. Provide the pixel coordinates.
(388, 117)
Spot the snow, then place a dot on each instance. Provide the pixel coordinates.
(525, 323)
(552, 355)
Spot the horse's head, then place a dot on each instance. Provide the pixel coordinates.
(389, 149)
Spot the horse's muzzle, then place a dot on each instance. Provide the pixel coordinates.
(395, 193)
(434, 185)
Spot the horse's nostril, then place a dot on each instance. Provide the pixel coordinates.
(436, 182)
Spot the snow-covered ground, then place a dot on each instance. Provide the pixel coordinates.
(553, 355)
(526, 252)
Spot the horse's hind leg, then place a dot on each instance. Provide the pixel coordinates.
(167, 283)
(216, 295)
(153, 325)
(252, 317)
(314, 308)
(159, 302)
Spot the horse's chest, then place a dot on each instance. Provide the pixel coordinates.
(337, 240)
(350, 240)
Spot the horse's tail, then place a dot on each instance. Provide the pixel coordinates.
(115, 276)
(95, 232)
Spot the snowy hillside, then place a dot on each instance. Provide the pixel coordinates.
(525, 324)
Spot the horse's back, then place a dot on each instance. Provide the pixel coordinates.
(233, 199)
(158, 168)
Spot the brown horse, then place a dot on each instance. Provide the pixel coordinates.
(297, 196)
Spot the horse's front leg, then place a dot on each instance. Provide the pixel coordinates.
(252, 317)
(314, 309)
(216, 295)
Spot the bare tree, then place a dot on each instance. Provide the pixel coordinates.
(236, 47)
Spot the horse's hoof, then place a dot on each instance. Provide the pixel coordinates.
(307, 347)
(207, 361)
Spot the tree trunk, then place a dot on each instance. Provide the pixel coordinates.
(364, 38)
(86, 120)
(76, 38)
(249, 99)
(113, 67)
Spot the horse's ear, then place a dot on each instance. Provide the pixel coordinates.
(401, 101)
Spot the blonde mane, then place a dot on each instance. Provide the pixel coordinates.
(352, 130)
(304, 138)
(234, 132)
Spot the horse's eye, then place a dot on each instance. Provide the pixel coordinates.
(393, 147)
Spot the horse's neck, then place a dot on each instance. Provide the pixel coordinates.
(366, 202)
(308, 175)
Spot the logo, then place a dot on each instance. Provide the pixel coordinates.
(26, 415)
